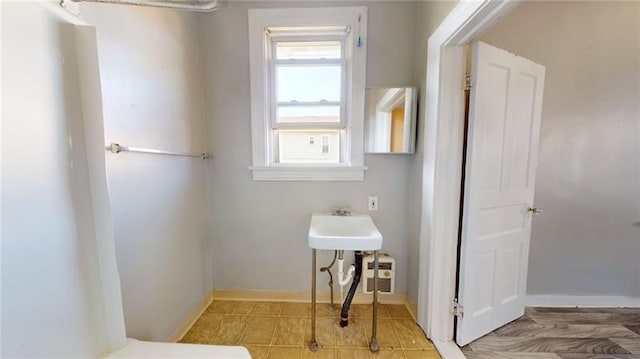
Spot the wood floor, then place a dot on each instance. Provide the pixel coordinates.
(564, 333)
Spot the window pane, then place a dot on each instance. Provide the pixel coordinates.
(308, 83)
(308, 114)
(309, 146)
(308, 50)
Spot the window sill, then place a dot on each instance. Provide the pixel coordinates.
(308, 173)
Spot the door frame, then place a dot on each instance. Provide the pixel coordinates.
(442, 164)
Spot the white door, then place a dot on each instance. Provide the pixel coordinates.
(503, 136)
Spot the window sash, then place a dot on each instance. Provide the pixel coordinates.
(308, 124)
(308, 62)
(306, 32)
(309, 103)
(273, 63)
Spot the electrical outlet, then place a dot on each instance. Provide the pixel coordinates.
(373, 203)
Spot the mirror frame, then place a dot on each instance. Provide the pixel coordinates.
(384, 120)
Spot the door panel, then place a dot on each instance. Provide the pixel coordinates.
(493, 127)
(503, 135)
(498, 220)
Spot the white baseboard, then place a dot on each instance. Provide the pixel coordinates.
(412, 307)
(186, 324)
(302, 296)
(581, 301)
(448, 349)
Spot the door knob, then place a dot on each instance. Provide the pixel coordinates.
(534, 210)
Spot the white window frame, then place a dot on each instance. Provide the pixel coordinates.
(263, 136)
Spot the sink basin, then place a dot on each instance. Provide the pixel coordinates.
(353, 232)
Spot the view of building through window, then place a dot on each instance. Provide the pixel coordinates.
(309, 146)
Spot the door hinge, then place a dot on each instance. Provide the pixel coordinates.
(457, 309)
(467, 82)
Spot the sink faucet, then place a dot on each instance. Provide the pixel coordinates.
(341, 211)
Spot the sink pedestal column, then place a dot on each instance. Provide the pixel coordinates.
(373, 345)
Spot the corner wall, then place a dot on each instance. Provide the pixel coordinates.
(587, 242)
(153, 97)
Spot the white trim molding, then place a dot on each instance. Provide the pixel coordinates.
(448, 349)
(582, 301)
(443, 139)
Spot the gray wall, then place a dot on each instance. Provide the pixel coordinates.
(587, 242)
(260, 228)
(153, 97)
(60, 295)
(430, 14)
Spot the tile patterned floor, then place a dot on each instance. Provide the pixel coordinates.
(564, 333)
(277, 330)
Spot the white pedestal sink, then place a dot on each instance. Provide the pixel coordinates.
(344, 232)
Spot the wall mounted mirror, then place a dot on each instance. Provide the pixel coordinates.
(390, 119)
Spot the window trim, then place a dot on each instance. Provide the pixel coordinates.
(263, 166)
